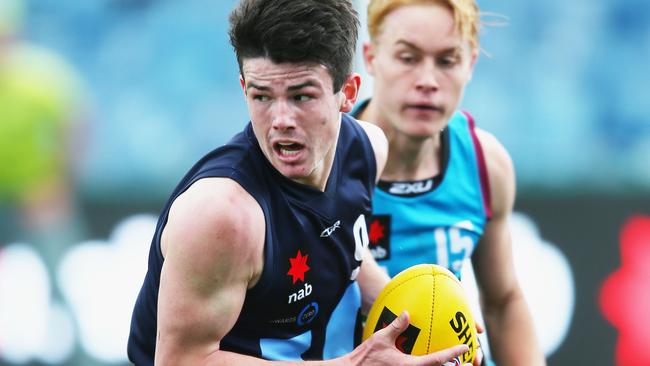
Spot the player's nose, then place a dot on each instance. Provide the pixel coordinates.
(282, 116)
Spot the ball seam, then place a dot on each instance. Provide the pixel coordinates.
(433, 305)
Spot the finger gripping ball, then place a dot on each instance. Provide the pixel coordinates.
(439, 311)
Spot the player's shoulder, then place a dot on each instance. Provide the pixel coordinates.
(379, 143)
(215, 210)
(375, 134)
(500, 172)
(496, 155)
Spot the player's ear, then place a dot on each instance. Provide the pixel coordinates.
(242, 82)
(349, 92)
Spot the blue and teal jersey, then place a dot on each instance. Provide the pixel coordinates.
(442, 225)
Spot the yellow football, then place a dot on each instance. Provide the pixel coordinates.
(439, 311)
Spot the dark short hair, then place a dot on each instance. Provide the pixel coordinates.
(297, 31)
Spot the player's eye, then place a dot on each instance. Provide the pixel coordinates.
(302, 97)
(448, 61)
(407, 58)
(260, 97)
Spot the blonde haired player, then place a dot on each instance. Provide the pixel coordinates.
(448, 188)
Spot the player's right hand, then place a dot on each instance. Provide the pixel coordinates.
(380, 350)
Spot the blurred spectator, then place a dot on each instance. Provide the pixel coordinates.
(41, 112)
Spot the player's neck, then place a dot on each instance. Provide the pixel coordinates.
(412, 159)
(408, 158)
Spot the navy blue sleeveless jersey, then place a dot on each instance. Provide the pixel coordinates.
(306, 303)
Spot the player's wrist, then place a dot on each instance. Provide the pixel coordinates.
(357, 356)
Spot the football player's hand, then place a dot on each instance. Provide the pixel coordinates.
(380, 349)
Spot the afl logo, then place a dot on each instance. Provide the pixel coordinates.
(307, 314)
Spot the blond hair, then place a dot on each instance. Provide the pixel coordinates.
(465, 12)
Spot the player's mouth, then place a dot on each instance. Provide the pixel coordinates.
(424, 108)
(288, 150)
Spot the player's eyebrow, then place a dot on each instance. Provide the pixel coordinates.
(452, 49)
(251, 85)
(307, 83)
(302, 85)
(407, 44)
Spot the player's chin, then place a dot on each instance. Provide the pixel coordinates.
(423, 130)
(298, 173)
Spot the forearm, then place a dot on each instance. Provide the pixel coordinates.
(372, 279)
(223, 358)
(511, 333)
(378, 350)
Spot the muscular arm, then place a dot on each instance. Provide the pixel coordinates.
(508, 320)
(211, 257)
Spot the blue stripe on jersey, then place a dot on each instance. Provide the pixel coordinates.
(285, 349)
(339, 336)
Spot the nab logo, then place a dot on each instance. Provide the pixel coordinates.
(379, 237)
(403, 188)
(298, 267)
(300, 294)
(330, 230)
(297, 272)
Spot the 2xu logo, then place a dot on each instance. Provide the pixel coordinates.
(411, 188)
(460, 325)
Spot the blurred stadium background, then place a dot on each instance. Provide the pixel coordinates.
(111, 101)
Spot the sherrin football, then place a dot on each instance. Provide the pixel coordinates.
(439, 311)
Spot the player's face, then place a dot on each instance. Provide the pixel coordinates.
(296, 116)
(420, 65)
